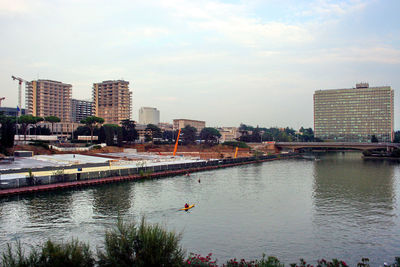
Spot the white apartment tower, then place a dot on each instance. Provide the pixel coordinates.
(148, 115)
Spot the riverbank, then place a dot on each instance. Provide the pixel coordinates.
(57, 178)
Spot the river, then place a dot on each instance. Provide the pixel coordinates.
(339, 206)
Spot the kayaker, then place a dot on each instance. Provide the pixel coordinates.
(186, 206)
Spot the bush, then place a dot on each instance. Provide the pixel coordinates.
(239, 144)
(43, 144)
(143, 245)
(200, 261)
(264, 262)
(73, 253)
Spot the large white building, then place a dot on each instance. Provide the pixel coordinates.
(148, 115)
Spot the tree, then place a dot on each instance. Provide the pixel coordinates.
(110, 131)
(155, 131)
(168, 135)
(25, 121)
(7, 131)
(52, 120)
(188, 135)
(306, 135)
(210, 135)
(129, 132)
(374, 139)
(396, 137)
(91, 122)
(37, 120)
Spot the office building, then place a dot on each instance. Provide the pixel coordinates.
(81, 109)
(49, 98)
(182, 123)
(112, 101)
(12, 112)
(354, 115)
(149, 115)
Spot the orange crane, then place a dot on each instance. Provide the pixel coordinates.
(1, 99)
(20, 81)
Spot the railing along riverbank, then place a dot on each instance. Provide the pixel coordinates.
(82, 179)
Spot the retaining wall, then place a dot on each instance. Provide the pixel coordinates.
(58, 181)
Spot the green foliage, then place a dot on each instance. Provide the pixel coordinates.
(52, 119)
(264, 262)
(91, 122)
(7, 131)
(236, 144)
(188, 135)
(258, 134)
(110, 131)
(25, 121)
(396, 137)
(169, 135)
(155, 131)
(43, 144)
(129, 132)
(210, 135)
(143, 245)
(52, 254)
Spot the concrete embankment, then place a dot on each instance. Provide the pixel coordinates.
(79, 179)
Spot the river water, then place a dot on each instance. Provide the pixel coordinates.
(339, 206)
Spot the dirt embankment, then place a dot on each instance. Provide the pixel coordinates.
(202, 151)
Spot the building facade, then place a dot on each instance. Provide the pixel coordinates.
(149, 115)
(112, 101)
(354, 115)
(182, 123)
(12, 112)
(49, 98)
(81, 109)
(228, 134)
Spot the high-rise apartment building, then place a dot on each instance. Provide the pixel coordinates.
(81, 109)
(354, 115)
(112, 101)
(149, 115)
(49, 98)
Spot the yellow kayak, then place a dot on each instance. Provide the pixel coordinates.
(188, 208)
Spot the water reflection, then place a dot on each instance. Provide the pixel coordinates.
(112, 200)
(354, 203)
(49, 207)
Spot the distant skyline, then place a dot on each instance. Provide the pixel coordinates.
(256, 62)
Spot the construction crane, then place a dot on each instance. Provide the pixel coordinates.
(20, 81)
(1, 99)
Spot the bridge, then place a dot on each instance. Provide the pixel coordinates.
(336, 145)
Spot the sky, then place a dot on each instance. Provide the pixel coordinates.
(225, 62)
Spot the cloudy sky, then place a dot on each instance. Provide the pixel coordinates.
(225, 62)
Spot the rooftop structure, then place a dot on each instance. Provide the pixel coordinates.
(355, 114)
(112, 101)
(148, 115)
(49, 98)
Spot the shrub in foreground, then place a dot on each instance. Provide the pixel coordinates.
(143, 245)
(72, 253)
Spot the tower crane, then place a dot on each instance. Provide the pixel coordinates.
(20, 81)
(1, 99)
